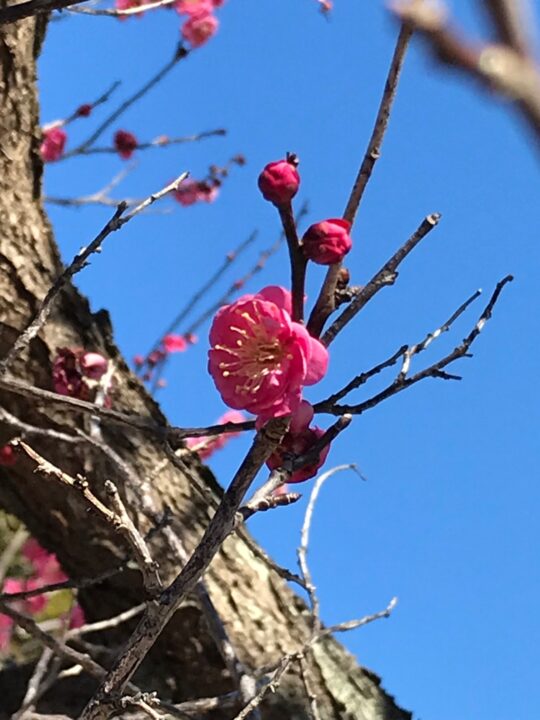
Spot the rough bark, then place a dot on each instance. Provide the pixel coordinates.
(264, 618)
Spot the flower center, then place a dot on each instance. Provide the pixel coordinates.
(255, 354)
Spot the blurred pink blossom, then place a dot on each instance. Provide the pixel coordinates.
(52, 146)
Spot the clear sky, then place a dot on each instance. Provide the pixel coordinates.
(448, 517)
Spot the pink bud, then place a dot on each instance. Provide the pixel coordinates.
(327, 242)
(52, 147)
(8, 456)
(138, 360)
(279, 181)
(84, 110)
(174, 343)
(125, 143)
(93, 365)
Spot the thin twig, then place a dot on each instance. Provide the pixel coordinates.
(115, 13)
(373, 151)
(33, 7)
(34, 684)
(179, 54)
(158, 614)
(80, 261)
(159, 142)
(103, 98)
(304, 544)
(117, 518)
(437, 370)
(310, 692)
(107, 623)
(326, 303)
(498, 67)
(509, 18)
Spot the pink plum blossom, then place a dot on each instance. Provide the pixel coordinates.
(52, 146)
(174, 343)
(260, 359)
(207, 446)
(327, 242)
(46, 566)
(192, 191)
(199, 27)
(298, 441)
(94, 365)
(279, 181)
(75, 372)
(191, 7)
(127, 5)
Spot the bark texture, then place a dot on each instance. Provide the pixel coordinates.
(264, 618)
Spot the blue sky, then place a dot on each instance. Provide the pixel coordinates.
(447, 519)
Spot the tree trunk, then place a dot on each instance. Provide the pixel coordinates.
(263, 617)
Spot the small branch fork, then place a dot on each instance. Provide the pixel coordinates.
(277, 671)
(80, 261)
(403, 380)
(158, 614)
(118, 517)
(179, 54)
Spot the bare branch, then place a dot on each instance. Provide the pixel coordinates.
(158, 614)
(325, 304)
(436, 370)
(179, 54)
(386, 276)
(33, 7)
(115, 13)
(509, 20)
(304, 543)
(118, 519)
(80, 261)
(497, 67)
(297, 261)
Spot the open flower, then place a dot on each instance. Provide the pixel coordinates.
(52, 146)
(260, 359)
(298, 441)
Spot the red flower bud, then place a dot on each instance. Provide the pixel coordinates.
(327, 242)
(8, 456)
(125, 142)
(279, 181)
(84, 110)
